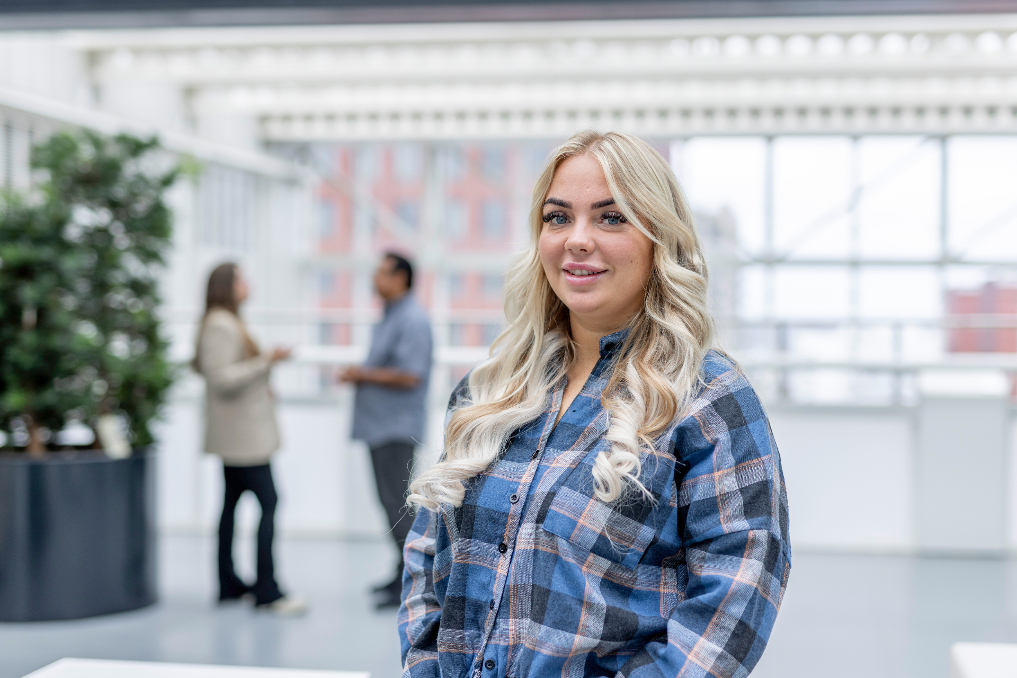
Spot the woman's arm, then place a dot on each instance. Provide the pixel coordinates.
(734, 507)
(220, 345)
(420, 612)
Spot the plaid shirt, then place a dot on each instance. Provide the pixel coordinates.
(533, 576)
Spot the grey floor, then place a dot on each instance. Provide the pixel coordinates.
(843, 616)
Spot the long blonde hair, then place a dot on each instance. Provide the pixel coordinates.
(658, 371)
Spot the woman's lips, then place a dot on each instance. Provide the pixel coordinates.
(588, 277)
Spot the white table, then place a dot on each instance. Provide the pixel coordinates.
(100, 668)
(983, 660)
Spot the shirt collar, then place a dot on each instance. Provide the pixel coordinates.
(612, 342)
(392, 305)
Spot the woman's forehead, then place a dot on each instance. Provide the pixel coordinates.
(579, 176)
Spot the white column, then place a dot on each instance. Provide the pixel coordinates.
(960, 462)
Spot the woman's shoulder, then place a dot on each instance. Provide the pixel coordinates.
(221, 317)
(221, 323)
(460, 394)
(717, 364)
(726, 390)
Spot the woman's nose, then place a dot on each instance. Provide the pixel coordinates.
(580, 238)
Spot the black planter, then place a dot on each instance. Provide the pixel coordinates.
(76, 535)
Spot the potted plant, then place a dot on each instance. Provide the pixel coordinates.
(81, 344)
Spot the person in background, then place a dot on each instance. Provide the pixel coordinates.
(388, 412)
(240, 427)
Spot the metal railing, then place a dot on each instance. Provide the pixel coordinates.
(850, 376)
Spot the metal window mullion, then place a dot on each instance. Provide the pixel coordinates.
(944, 227)
(854, 270)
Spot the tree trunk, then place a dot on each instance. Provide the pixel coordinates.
(36, 447)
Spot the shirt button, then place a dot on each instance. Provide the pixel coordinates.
(502, 547)
(535, 453)
(514, 498)
(489, 664)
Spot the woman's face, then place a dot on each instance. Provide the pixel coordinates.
(597, 263)
(240, 289)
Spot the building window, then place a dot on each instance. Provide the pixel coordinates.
(456, 224)
(408, 212)
(456, 286)
(408, 162)
(492, 163)
(326, 219)
(453, 163)
(325, 333)
(491, 285)
(491, 332)
(365, 164)
(326, 283)
(493, 219)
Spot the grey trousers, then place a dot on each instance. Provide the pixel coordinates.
(392, 465)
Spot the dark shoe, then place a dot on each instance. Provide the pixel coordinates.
(237, 592)
(288, 606)
(243, 597)
(387, 599)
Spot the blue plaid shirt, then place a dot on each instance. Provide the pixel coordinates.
(533, 576)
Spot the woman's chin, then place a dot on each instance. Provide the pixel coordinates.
(594, 315)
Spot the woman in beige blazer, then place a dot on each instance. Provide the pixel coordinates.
(240, 427)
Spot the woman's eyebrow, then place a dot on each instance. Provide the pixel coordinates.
(559, 202)
(602, 203)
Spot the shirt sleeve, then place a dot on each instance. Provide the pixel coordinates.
(734, 505)
(413, 350)
(218, 360)
(420, 611)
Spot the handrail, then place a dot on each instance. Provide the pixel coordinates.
(463, 356)
(367, 316)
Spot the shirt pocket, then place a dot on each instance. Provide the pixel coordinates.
(619, 531)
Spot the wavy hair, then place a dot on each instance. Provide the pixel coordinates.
(658, 369)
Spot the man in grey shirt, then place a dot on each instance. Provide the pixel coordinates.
(388, 411)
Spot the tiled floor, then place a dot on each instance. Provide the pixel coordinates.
(843, 616)
(341, 631)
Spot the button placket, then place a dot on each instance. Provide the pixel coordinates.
(504, 568)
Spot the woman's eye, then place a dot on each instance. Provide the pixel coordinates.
(613, 219)
(557, 218)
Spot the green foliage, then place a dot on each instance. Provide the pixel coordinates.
(82, 260)
(43, 359)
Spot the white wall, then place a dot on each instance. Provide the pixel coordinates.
(849, 476)
(849, 471)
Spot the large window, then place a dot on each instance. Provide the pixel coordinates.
(835, 261)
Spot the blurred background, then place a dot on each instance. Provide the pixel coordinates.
(853, 169)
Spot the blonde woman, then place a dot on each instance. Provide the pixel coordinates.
(609, 500)
(240, 427)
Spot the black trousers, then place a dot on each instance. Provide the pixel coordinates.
(392, 465)
(257, 479)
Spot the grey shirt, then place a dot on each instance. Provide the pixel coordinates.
(401, 341)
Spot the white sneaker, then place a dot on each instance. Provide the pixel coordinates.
(288, 606)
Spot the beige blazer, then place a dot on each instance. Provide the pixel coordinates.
(240, 423)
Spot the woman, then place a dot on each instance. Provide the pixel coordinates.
(240, 427)
(610, 499)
